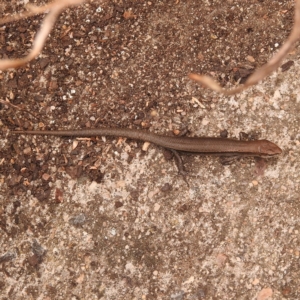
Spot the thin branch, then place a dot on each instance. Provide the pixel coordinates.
(262, 72)
(32, 11)
(54, 9)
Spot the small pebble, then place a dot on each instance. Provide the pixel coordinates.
(250, 58)
(156, 207)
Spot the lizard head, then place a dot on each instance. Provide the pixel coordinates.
(268, 148)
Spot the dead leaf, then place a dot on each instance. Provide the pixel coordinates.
(128, 14)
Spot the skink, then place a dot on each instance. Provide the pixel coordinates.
(200, 145)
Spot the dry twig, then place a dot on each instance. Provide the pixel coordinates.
(53, 9)
(262, 72)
